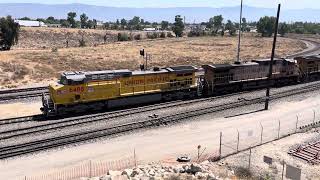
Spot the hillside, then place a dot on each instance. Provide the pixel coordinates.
(35, 61)
(197, 14)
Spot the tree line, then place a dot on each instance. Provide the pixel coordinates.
(9, 30)
(215, 25)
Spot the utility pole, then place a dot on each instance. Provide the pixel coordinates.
(266, 107)
(239, 39)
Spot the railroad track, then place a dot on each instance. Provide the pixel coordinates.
(53, 142)
(73, 121)
(307, 52)
(81, 120)
(20, 119)
(13, 94)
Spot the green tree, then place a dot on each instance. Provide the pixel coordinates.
(106, 25)
(52, 20)
(283, 29)
(164, 25)
(71, 19)
(64, 23)
(178, 26)
(154, 24)
(209, 24)
(41, 19)
(9, 32)
(94, 23)
(265, 26)
(231, 28)
(244, 25)
(90, 24)
(123, 23)
(83, 20)
(217, 23)
(25, 18)
(134, 23)
(147, 23)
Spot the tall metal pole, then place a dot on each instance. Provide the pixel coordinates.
(272, 58)
(239, 39)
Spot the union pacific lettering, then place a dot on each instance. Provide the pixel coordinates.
(149, 80)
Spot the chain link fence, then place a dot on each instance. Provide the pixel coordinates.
(86, 169)
(234, 141)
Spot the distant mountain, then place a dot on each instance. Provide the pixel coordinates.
(197, 14)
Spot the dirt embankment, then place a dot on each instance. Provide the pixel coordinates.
(34, 60)
(43, 38)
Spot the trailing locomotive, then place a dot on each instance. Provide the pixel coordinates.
(227, 78)
(85, 91)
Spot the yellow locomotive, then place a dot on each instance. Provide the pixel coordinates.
(84, 91)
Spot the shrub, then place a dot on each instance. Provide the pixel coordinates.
(243, 172)
(213, 33)
(54, 49)
(163, 35)
(82, 43)
(123, 37)
(169, 34)
(152, 35)
(194, 34)
(137, 37)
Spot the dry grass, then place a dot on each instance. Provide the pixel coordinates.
(47, 38)
(45, 64)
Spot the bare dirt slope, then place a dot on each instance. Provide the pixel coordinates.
(30, 63)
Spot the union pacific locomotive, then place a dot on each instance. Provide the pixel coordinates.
(85, 91)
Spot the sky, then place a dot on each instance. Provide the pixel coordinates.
(286, 4)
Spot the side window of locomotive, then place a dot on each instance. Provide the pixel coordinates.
(63, 81)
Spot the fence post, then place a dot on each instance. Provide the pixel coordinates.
(314, 116)
(90, 173)
(261, 138)
(297, 124)
(238, 140)
(220, 145)
(249, 158)
(134, 157)
(279, 130)
(199, 147)
(282, 170)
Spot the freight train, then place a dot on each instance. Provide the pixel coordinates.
(97, 90)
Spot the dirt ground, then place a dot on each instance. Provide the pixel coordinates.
(184, 139)
(25, 109)
(23, 66)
